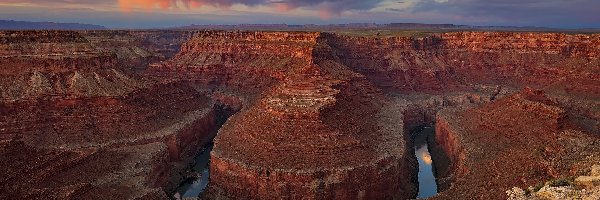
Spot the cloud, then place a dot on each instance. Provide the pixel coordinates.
(54, 2)
(516, 11)
(326, 7)
(554, 13)
(426, 157)
(166, 4)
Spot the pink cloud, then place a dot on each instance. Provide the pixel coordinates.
(326, 8)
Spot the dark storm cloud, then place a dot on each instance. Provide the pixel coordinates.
(517, 11)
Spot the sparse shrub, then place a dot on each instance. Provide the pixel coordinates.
(560, 183)
(537, 187)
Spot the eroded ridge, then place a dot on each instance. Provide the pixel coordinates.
(243, 59)
(316, 136)
(323, 115)
(520, 139)
(456, 61)
(77, 123)
(63, 64)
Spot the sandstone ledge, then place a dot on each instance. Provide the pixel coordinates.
(519, 139)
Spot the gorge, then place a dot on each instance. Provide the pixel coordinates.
(294, 115)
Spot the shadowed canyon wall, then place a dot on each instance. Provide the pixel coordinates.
(473, 68)
(519, 140)
(460, 69)
(242, 59)
(324, 116)
(452, 61)
(76, 121)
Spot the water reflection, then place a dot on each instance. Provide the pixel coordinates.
(198, 186)
(194, 188)
(425, 155)
(427, 184)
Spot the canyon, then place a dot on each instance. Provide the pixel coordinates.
(114, 114)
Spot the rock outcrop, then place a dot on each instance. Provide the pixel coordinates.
(452, 61)
(59, 64)
(320, 134)
(241, 59)
(155, 131)
(519, 139)
(47, 64)
(321, 115)
(583, 187)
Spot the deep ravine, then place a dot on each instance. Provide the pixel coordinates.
(426, 178)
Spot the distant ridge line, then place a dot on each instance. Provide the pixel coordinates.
(27, 25)
(398, 26)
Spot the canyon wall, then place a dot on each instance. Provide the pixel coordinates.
(310, 80)
(136, 50)
(46, 64)
(326, 116)
(242, 59)
(308, 137)
(453, 61)
(127, 147)
(517, 140)
(76, 121)
(159, 128)
(70, 64)
(462, 69)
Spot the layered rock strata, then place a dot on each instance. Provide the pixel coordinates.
(517, 140)
(242, 59)
(453, 61)
(327, 116)
(69, 64)
(76, 124)
(458, 67)
(131, 146)
(63, 64)
(320, 134)
(136, 50)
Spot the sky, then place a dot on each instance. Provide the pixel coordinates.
(171, 13)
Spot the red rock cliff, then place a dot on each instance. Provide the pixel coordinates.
(451, 61)
(64, 64)
(316, 135)
(517, 140)
(246, 59)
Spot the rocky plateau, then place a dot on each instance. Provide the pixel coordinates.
(115, 114)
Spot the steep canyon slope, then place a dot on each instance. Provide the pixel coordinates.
(321, 115)
(76, 122)
(419, 76)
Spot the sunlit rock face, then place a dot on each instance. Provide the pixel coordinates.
(121, 114)
(77, 122)
(288, 138)
(315, 135)
(453, 61)
(242, 59)
(525, 138)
